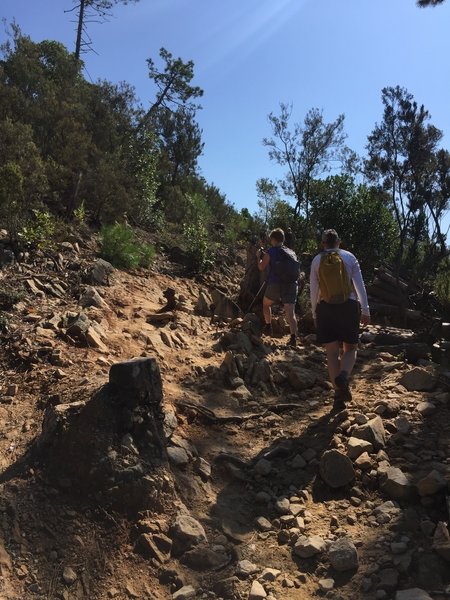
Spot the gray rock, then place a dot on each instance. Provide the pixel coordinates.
(396, 484)
(186, 532)
(146, 547)
(403, 425)
(92, 298)
(245, 568)
(373, 432)
(412, 594)
(325, 585)
(282, 506)
(263, 524)
(270, 574)
(263, 467)
(343, 555)
(101, 271)
(305, 547)
(418, 380)
(178, 456)
(336, 469)
(185, 593)
(298, 462)
(301, 379)
(357, 446)
(202, 558)
(431, 484)
(388, 579)
(257, 591)
(426, 408)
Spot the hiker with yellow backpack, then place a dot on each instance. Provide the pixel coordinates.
(336, 286)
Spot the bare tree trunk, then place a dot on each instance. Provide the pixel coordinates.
(80, 29)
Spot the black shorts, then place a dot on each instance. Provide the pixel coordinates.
(338, 322)
(284, 292)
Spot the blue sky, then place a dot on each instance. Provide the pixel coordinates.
(250, 55)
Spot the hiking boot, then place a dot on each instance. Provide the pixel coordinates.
(267, 330)
(342, 385)
(339, 403)
(292, 341)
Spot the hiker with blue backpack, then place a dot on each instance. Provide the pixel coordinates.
(336, 286)
(282, 282)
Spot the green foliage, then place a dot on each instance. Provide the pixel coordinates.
(40, 232)
(11, 294)
(199, 252)
(360, 216)
(79, 214)
(442, 284)
(121, 248)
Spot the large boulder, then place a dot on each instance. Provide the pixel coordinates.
(418, 380)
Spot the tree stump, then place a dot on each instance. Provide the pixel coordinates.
(112, 446)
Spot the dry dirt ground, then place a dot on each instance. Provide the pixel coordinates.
(59, 544)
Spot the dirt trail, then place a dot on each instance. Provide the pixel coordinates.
(263, 444)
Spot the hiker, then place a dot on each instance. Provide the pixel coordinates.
(336, 284)
(284, 270)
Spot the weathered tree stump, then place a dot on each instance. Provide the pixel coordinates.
(112, 446)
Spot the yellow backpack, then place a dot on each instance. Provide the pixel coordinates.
(334, 282)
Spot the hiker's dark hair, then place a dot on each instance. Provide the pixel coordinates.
(277, 234)
(330, 237)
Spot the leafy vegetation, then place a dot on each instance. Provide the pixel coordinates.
(120, 246)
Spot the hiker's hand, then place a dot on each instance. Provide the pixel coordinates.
(365, 319)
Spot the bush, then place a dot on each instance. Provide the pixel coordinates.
(199, 252)
(41, 232)
(122, 249)
(11, 294)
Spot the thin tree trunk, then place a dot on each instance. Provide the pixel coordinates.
(80, 29)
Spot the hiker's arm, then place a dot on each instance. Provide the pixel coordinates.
(361, 292)
(263, 262)
(314, 286)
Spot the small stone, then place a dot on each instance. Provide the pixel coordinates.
(343, 555)
(298, 462)
(263, 524)
(184, 593)
(257, 591)
(356, 447)
(178, 456)
(326, 585)
(431, 484)
(336, 469)
(426, 408)
(270, 574)
(245, 568)
(396, 484)
(282, 506)
(305, 547)
(263, 467)
(69, 576)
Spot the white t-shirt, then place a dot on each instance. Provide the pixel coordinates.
(354, 273)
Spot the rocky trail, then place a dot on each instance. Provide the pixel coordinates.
(212, 466)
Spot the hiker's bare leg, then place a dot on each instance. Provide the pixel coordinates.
(267, 310)
(289, 311)
(348, 358)
(334, 367)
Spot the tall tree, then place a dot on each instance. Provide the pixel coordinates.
(404, 160)
(91, 11)
(307, 150)
(268, 197)
(173, 84)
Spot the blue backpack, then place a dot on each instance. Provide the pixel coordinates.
(286, 266)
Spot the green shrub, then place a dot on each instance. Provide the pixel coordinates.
(11, 294)
(199, 251)
(442, 285)
(41, 231)
(122, 249)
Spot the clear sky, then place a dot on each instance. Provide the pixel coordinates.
(250, 55)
